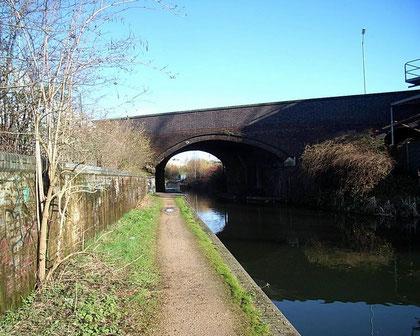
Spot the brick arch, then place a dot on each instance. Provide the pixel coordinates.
(189, 142)
(244, 159)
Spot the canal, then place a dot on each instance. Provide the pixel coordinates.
(328, 273)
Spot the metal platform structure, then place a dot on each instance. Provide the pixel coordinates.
(412, 72)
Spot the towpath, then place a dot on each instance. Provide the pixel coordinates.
(195, 301)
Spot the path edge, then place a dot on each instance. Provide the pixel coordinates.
(279, 324)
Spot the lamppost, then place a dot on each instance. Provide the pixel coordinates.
(363, 57)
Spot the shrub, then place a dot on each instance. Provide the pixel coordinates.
(349, 164)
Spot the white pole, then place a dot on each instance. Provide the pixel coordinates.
(363, 57)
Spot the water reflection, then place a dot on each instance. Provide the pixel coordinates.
(349, 319)
(215, 217)
(328, 273)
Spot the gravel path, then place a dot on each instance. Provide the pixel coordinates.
(196, 302)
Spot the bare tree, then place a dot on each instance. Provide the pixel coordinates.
(53, 51)
(15, 118)
(120, 144)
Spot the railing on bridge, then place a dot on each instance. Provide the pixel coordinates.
(412, 72)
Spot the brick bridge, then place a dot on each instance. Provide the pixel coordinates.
(258, 143)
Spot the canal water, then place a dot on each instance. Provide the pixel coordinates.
(328, 273)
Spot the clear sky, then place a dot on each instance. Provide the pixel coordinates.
(230, 52)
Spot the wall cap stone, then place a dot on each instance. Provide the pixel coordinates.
(86, 169)
(16, 162)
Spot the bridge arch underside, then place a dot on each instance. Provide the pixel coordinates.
(249, 169)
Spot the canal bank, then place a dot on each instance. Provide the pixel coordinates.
(194, 301)
(279, 325)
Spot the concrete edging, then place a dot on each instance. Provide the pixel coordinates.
(16, 162)
(279, 324)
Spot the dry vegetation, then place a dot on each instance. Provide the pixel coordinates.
(351, 165)
(116, 144)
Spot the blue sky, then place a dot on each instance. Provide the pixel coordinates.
(230, 52)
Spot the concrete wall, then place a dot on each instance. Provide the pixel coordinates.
(107, 195)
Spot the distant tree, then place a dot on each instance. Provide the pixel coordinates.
(172, 171)
(201, 174)
(195, 168)
(16, 118)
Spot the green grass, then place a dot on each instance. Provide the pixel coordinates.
(109, 290)
(256, 326)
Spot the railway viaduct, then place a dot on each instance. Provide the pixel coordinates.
(260, 144)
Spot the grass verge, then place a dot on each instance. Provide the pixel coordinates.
(110, 289)
(256, 326)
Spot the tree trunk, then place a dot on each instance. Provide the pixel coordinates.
(43, 235)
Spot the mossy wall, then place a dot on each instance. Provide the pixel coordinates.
(106, 195)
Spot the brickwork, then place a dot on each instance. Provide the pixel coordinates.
(107, 195)
(254, 141)
(287, 125)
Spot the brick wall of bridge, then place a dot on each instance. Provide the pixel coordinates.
(288, 125)
(111, 194)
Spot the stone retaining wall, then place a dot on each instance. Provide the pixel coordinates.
(104, 197)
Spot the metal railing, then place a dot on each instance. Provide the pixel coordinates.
(412, 72)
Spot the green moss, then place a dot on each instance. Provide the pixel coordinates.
(256, 326)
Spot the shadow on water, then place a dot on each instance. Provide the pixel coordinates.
(330, 274)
